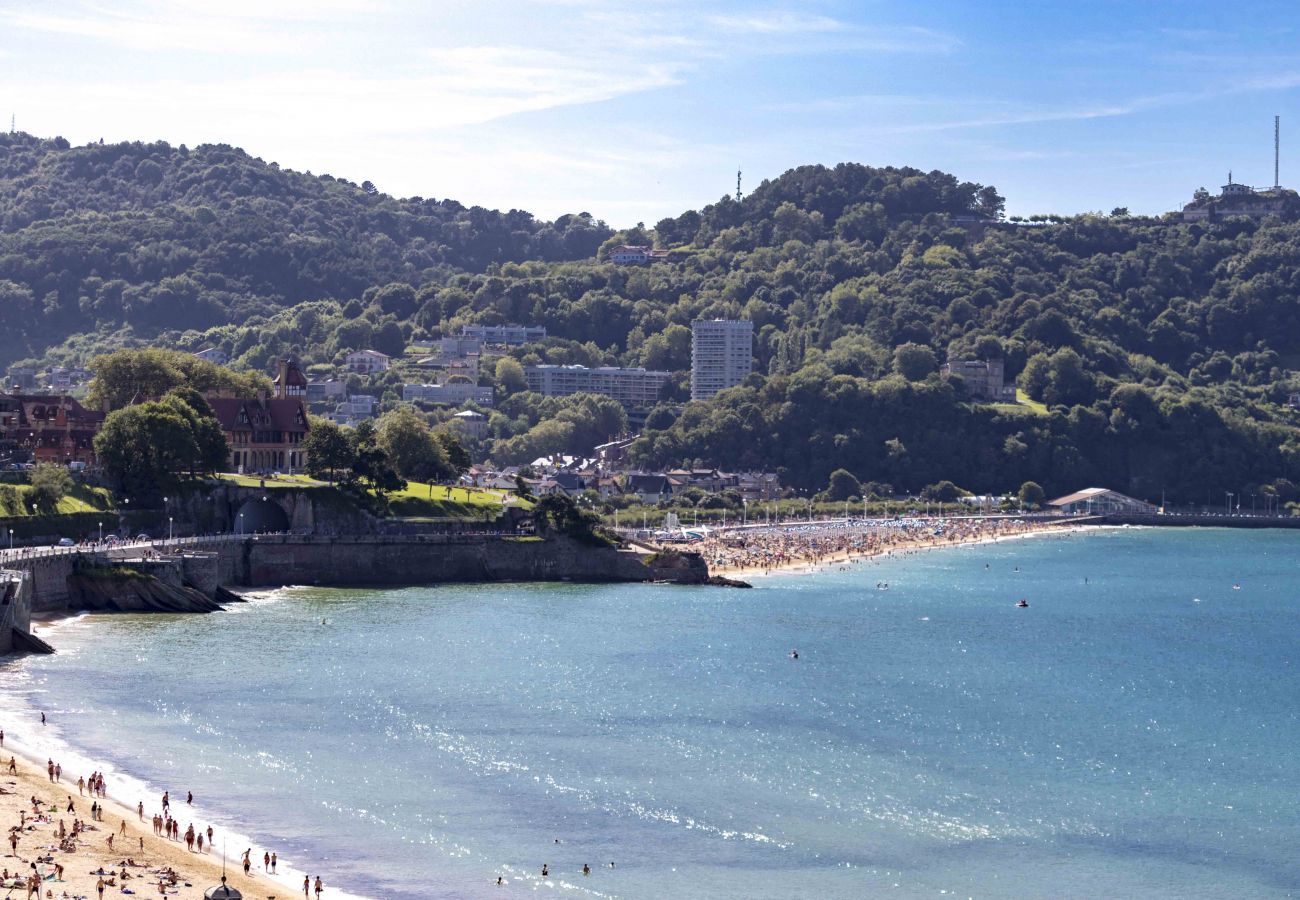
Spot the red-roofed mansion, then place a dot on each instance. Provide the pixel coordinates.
(266, 433)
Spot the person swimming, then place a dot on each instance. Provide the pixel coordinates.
(1022, 603)
(794, 654)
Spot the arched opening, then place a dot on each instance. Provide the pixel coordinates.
(260, 517)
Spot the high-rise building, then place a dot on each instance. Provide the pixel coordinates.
(722, 354)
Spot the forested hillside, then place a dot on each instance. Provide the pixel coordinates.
(154, 237)
(1161, 352)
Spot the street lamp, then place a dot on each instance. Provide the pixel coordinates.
(241, 523)
(1229, 493)
(170, 531)
(101, 532)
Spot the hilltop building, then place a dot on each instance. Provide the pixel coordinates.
(983, 380)
(632, 255)
(1236, 199)
(722, 355)
(634, 388)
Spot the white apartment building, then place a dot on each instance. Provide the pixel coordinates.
(635, 388)
(455, 392)
(367, 362)
(505, 334)
(722, 355)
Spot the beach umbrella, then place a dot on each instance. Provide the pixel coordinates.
(222, 891)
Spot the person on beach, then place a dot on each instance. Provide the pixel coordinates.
(100, 887)
(209, 835)
(247, 864)
(139, 810)
(58, 772)
(2, 737)
(306, 885)
(272, 863)
(189, 798)
(81, 786)
(42, 718)
(320, 886)
(266, 862)
(13, 766)
(50, 768)
(166, 802)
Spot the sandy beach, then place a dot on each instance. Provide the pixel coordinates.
(807, 548)
(138, 861)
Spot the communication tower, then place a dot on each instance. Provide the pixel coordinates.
(1277, 148)
(738, 185)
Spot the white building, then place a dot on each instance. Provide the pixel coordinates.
(367, 362)
(454, 392)
(472, 423)
(459, 345)
(322, 391)
(505, 334)
(214, 355)
(722, 355)
(631, 254)
(631, 387)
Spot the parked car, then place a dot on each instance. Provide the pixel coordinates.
(142, 537)
(66, 542)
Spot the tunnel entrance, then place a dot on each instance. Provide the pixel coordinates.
(260, 517)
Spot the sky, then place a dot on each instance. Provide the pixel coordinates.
(636, 111)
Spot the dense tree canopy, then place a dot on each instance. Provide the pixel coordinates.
(1162, 352)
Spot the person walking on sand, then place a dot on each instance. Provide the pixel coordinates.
(100, 887)
(81, 786)
(139, 810)
(166, 803)
(272, 863)
(320, 886)
(200, 840)
(266, 862)
(247, 864)
(13, 766)
(306, 885)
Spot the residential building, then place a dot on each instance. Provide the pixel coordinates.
(357, 407)
(613, 451)
(367, 362)
(983, 379)
(460, 345)
(49, 428)
(471, 422)
(325, 391)
(505, 334)
(631, 387)
(1236, 199)
(450, 393)
(266, 433)
(64, 378)
(21, 378)
(214, 355)
(650, 489)
(630, 254)
(722, 355)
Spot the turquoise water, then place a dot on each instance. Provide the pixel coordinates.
(1134, 735)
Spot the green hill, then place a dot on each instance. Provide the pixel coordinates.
(1161, 353)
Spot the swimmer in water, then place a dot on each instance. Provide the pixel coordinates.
(794, 654)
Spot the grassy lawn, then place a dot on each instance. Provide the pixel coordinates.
(1023, 404)
(283, 481)
(419, 500)
(14, 500)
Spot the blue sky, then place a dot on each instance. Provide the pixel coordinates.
(634, 111)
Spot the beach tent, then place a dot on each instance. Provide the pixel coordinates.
(222, 892)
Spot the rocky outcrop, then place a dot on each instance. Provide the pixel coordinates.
(677, 567)
(724, 581)
(125, 590)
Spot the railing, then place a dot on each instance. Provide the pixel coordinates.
(27, 554)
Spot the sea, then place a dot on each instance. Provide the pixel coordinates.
(1133, 732)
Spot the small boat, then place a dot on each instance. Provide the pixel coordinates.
(1022, 603)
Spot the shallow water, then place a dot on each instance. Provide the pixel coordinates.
(1136, 734)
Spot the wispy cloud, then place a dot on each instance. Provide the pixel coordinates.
(776, 22)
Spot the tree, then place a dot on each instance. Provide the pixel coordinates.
(50, 484)
(510, 376)
(843, 485)
(330, 454)
(457, 456)
(915, 361)
(371, 466)
(1031, 495)
(128, 376)
(943, 491)
(144, 447)
(411, 447)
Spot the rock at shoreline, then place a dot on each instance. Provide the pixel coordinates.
(724, 581)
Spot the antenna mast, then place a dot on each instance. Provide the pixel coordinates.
(737, 185)
(1277, 148)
